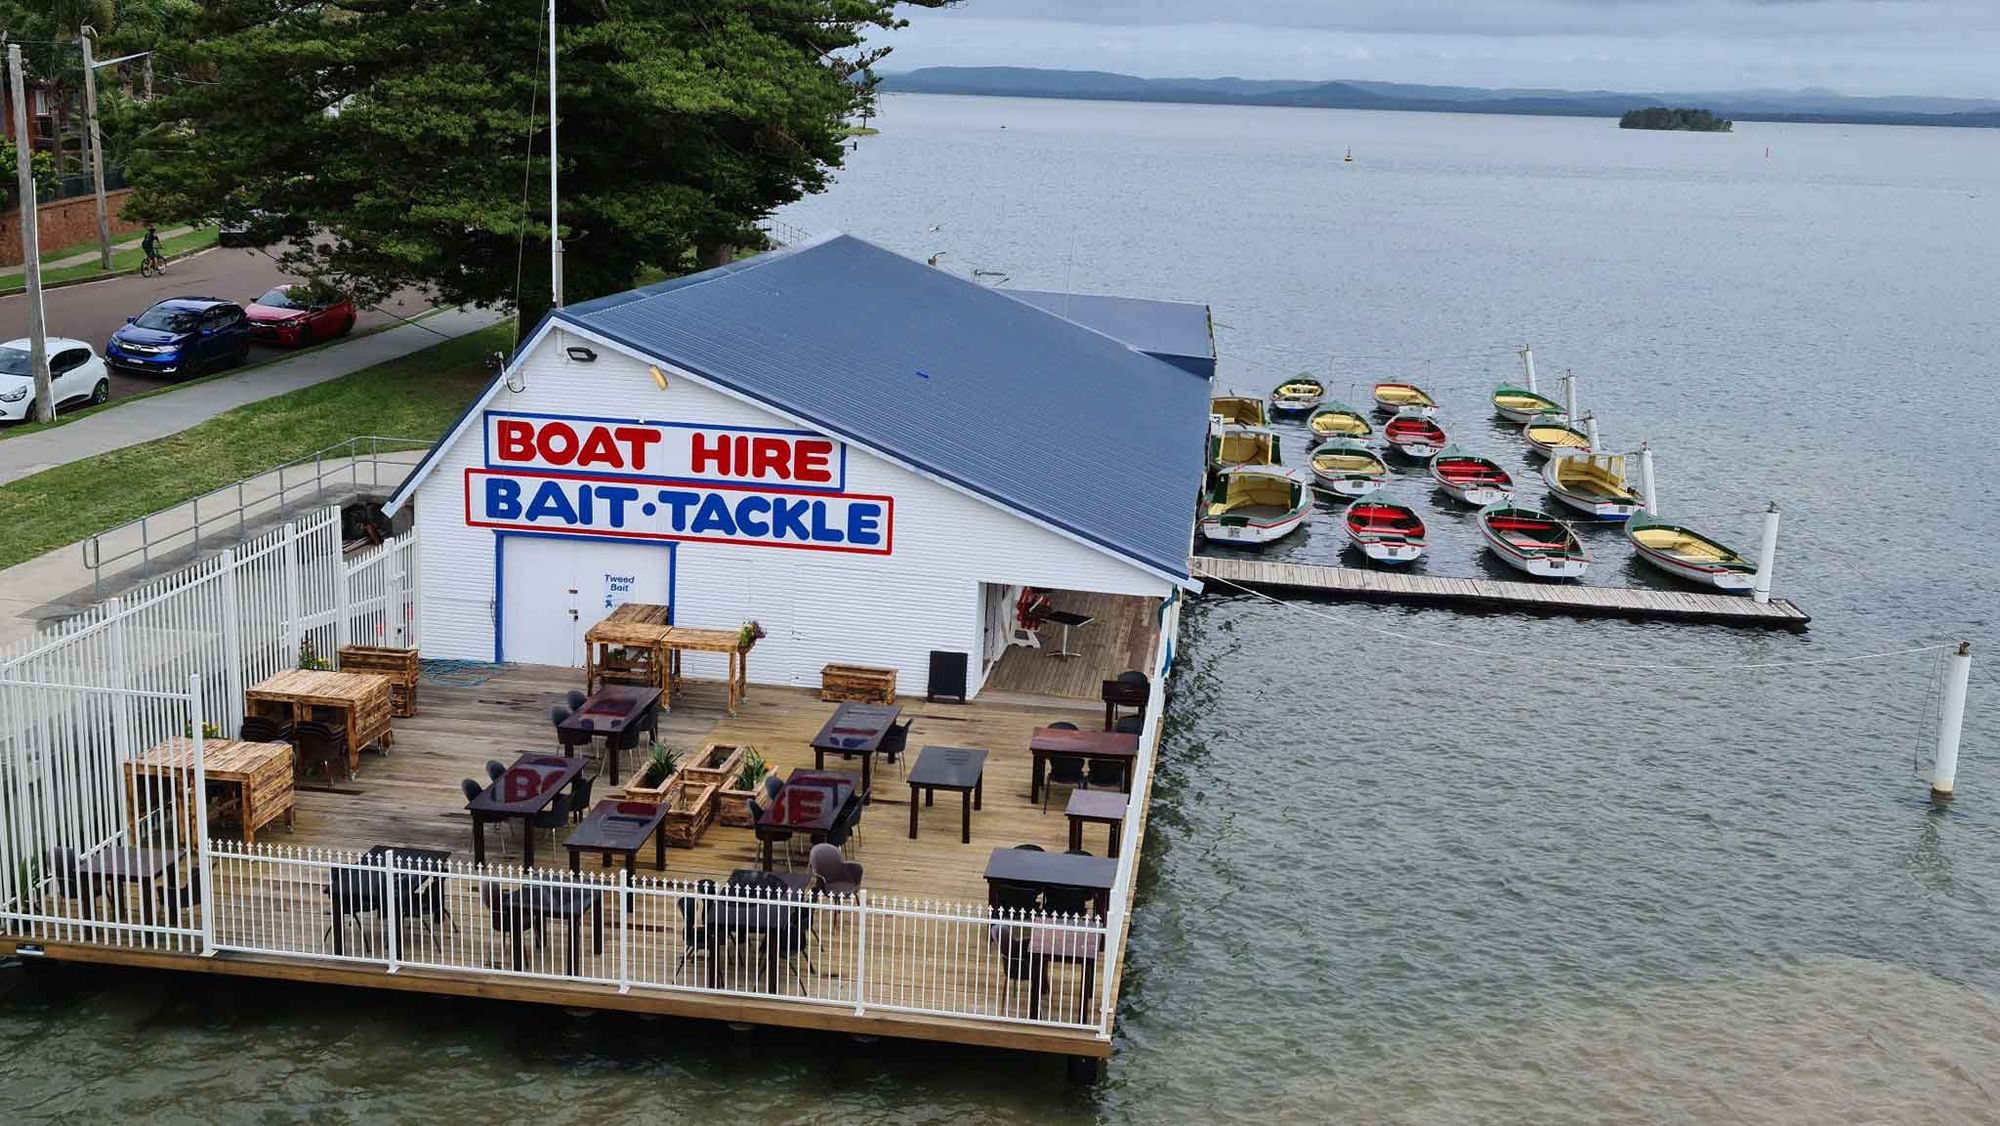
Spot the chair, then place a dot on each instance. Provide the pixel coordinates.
(320, 747)
(1067, 901)
(470, 788)
(579, 796)
(765, 833)
(575, 699)
(1062, 725)
(694, 936)
(1017, 957)
(1017, 897)
(68, 875)
(772, 784)
(1106, 773)
(263, 729)
(568, 740)
(1028, 848)
(1130, 724)
(555, 816)
(833, 874)
(895, 741)
(1064, 770)
(494, 769)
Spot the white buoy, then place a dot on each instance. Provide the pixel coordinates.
(1528, 361)
(1646, 487)
(1767, 556)
(1951, 720)
(1569, 393)
(1590, 428)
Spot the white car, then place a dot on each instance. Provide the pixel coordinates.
(76, 372)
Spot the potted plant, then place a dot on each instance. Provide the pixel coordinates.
(716, 764)
(749, 634)
(309, 657)
(656, 778)
(749, 776)
(690, 809)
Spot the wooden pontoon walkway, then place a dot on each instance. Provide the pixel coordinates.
(1554, 598)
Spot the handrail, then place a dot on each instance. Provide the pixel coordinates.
(352, 454)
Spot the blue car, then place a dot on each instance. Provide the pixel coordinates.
(181, 336)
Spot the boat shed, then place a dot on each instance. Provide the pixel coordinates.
(866, 456)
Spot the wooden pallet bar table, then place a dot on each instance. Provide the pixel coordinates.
(260, 772)
(681, 639)
(361, 698)
(638, 628)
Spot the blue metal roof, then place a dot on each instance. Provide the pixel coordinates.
(1033, 411)
(1175, 331)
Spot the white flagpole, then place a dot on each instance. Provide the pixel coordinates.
(555, 236)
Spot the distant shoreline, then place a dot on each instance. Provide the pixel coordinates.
(1018, 82)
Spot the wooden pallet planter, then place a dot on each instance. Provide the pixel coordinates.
(401, 666)
(858, 683)
(715, 764)
(655, 794)
(690, 810)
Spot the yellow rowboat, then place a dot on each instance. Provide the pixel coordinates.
(1349, 468)
(1684, 552)
(1393, 397)
(1242, 445)
(1297, 395)
(1338, 420)
(1254, 504)
(1518, 404)
(1593, 484)
(1547, 435)
(1237, 410)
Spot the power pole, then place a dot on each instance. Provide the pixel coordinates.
(96, 141)
(31, 241)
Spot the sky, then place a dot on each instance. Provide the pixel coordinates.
(1927, 47)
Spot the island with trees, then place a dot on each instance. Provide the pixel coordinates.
(1681, 120)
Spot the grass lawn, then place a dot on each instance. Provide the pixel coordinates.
(122, 262)
(416, 396)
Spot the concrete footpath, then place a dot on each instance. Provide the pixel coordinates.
(157, 416)
(18, 272)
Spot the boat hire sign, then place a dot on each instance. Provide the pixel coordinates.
(621, 478)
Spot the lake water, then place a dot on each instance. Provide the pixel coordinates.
(1411, 865)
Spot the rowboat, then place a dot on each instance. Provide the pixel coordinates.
(1338, 420)
(1393, 397)
(1593, 484)
(1518, 404)
(1297, 395)
(1385, 531)
(1349, 468)
(1531, 540)
(1474, 479)
(1237, 410)
(1680, 550)
(1254, 504)
(1547, 435)
(1242, 445)
(1413, 434)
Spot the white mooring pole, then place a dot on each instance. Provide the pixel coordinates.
(555, 229)
(1767, 556)
(1528, 362)
(1646, 486)
(1569, 393)
(1951, 720)
(1590, 429)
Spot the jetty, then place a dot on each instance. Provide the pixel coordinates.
(1272, 576)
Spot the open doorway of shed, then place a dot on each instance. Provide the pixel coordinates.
(1122, 634)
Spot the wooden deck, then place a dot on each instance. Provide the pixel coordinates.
(1551, 598)
(1122, 637)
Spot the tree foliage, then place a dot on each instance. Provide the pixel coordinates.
(414, 133)
(1687, 120)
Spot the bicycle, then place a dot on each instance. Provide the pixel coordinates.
(152, 266)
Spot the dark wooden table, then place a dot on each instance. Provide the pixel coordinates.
(519, 908)
(1068, 620)
(855, 729)
(1100, 807)
(1079, 744)
(525, 790)
(1124, 694)
(619, 827)
(355, 891)
(151, 868)
(949, 768)
(740, 918)
(1051, 869)
(613, 711)
(811, 802)
(1051, 945)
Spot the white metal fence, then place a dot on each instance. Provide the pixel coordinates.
(859, 953)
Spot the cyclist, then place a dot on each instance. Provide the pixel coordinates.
(149, 247)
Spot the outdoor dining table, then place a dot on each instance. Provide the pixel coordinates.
(949, 768)
(1101, 807)
(613, 711)
(361, 698)
(1051, 869)
(524, 790)
(259, 773)
(355, 891)
(731, 918)
(151, 868)
(855, 729)
(810, 802)
(620, 827)
(1061, 741)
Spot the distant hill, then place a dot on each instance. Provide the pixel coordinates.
(1745, 105)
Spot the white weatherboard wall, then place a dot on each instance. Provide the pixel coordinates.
(816, 607)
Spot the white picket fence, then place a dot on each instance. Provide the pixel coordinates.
(861, 953)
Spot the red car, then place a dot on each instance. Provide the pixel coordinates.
(292, 315)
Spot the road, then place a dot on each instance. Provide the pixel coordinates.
(92, 312)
